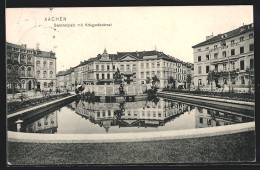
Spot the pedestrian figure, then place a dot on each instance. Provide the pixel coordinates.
(56, 91)
(50, 91)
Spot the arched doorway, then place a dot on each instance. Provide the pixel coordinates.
(29, 85)
(38, 85)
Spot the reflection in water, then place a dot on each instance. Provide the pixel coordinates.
(46, 124)
(139, 116)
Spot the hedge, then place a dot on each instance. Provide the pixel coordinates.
(16, 105)
(224, 95)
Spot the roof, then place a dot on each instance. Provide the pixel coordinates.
(238, 31)
(18, 46)
(39, 53)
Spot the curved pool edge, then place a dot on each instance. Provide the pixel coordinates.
(129, 137)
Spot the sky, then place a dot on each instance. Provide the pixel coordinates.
(172, 30)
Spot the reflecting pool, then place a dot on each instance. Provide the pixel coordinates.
(82, 117)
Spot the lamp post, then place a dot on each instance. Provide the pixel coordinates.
(229, 82)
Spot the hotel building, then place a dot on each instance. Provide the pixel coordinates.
(135, 67)
(230, 55)
(29, 69)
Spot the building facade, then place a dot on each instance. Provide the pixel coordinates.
(230, 55)
(29, 69)
(135, 68)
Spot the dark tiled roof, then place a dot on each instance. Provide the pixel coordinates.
(40, 53)
(60, 73)
(241, 30)
(18, 46)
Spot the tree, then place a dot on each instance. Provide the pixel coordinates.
(13, 78)
(188, 79)
(118, 77)
(250, 81)
(212, 77)
(148, 80)
(155, 80)
(171, 81)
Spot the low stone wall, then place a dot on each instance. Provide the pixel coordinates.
(38, 109)
(112, 90)
(231, 105)
(130, 137)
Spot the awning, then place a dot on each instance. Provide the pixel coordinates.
(79, 86)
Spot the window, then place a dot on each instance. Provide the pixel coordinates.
(208, 121)
(251, 63)
(207, 57)
(142, 65)
(241, 50)
(103, 113)
(242, 65)
(232, 43)
(134, 67)
(158, 74)
(153, 64)
(44, 64)
(233, 52)
(215, 47)
(9, 69)
(216, 67)
(199, 50)
(122, 67)
(142, 74)
(29, 72)
(97, 67)
(44, 74)
(242, 80)
(232, 65)
(215, 55)
(51, 73)
(224, 66)
(128, 67)
(224, 54)
(22, 72)
(97, 76)
(108, 76)
(23, 84)
(153, 73)
(251, 35)
(158, 64)
(207, 69)
(225, 80)
(251, 47)
(199, 58)
(147, 65)
(45, 85)
(201, 120)
(207, 48)
(199, 69)
(114, 67)
(241, 39)
(103, 76)
(108, 67)
(233, 79)
(51, 64)
(102, 67)
(147, 74)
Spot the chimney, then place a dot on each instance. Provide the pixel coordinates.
(37, 46)
(209, 36)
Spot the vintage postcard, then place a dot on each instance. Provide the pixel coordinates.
(130, 85)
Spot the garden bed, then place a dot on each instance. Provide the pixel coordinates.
(223, 95)
(20, 105)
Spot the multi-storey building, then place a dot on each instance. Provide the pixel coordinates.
(29, 69)
(45, 69)
(61, 80)
(135, 67)
(230, 55)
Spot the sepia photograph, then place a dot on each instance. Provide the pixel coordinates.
(130, 85)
